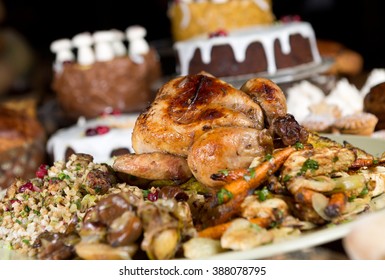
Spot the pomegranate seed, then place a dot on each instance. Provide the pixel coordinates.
(99, 130)
(11, 202)
(152, 196)
(102, 129)
(110, 112)
(26, 186)
(42, 171)
(218, 33)
(91, 132)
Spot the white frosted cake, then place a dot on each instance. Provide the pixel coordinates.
(101, 137)
(258, 49)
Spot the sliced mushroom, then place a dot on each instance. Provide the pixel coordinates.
(101, 251)
(124, 230)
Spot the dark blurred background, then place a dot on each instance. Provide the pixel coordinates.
(359, 24)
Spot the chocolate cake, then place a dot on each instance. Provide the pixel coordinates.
(104, 76)
(374, 102)
(263, 50)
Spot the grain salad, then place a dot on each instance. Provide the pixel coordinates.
(60, 194)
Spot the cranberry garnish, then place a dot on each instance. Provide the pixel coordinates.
(91, 132)
(111, 111)
(42, 171)
(26, 186)
(99, 130)
(218, 33)
(102, 129)
(11, 202)
(153, 196)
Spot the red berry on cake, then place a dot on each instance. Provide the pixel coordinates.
(218, 33)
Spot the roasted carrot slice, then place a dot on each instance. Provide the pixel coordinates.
(216, 232)
(336, 205)
(256, 176)
(228, 206)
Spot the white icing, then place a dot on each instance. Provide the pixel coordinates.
(137, 44)
(375, 77)
(83, 42)
(99, 146)
(117, 43)
(239, 41)
(347, 97)
(103, 45)
(300, 97)
(62, 49)
(100, 46)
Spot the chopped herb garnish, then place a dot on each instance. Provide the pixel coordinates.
(224, 172)
(26, 241)
(78, 203)
(298, 146)
(262, 194)
(223, 196)
(63, 176)
(273, 224)
(364, 191)
(255, 226)
(53, 180)
(309, 164)
(286, 178)
(252, 173)
(268, 157)
(27, 209)
(335, 159)
(145, 193)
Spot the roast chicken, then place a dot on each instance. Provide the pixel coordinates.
(212, 126)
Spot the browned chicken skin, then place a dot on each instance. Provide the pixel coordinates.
(226, 148)
(268, 95)
(153, 166)
(187, 107)
(212, 124)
